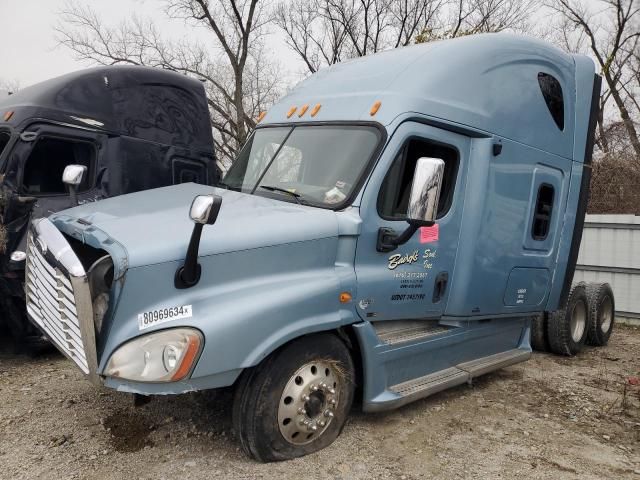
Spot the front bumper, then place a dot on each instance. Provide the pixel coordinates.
(58, 297)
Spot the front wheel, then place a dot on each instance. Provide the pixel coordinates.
(296, 401)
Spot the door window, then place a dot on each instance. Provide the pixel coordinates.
(47, 161)
(393, 200)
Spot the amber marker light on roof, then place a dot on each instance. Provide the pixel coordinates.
(303, 110)
(261, 116)
(374, 109)
(291, 111)
(345, 297)
(315, 110)
(7, 115)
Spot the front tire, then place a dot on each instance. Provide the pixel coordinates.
(296, 401)
(567, 328)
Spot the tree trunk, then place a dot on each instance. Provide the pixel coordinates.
(603, 142)
(624, 115)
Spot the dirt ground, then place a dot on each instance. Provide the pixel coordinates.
(549, 418)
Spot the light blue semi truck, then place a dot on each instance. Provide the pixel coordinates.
(391, 229)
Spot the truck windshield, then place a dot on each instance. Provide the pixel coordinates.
(318, 165)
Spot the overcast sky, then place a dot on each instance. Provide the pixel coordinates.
(29, 52)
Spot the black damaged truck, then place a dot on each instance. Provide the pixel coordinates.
(119, 129)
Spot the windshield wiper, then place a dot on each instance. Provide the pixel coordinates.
(295, 195)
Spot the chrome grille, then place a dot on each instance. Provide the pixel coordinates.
(51, 304)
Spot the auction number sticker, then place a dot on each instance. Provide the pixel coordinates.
(162, 315)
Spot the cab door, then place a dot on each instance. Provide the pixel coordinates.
(410, 282)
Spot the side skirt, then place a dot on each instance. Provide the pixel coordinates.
(406, 362)
(451, 377)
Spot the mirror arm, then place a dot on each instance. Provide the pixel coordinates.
(73, 195)
(189, 274)
(389, 241)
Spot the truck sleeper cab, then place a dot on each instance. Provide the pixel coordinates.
(132, 128)
(394, 222)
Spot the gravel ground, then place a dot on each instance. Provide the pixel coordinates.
(549, 418)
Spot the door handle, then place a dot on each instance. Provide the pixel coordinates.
(440, 286)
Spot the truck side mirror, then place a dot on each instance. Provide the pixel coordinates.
(425, 191)
(72, 177)
(204, 211)
(423, 203)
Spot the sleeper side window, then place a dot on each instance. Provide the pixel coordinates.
(47, 161)
(552, 93)
(543, 212)
(393, 199)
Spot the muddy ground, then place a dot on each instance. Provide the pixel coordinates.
(549, 418)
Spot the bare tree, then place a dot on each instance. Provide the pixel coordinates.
(613, 37)
(313, 34)
(324, 32)
(9, 86)
(616, 175)
(233, 66)
(467, 17)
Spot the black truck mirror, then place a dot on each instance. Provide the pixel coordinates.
(425, 191)
(72, 177)
(423, 203)
(204, 211)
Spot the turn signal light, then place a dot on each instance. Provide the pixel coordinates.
(315, 110)
(291, 111)
(261, 116)
(303, 110)
(345, 297)
(188, 359)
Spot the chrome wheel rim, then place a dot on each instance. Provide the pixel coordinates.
(578, 321)
(308, 402)
(606, 314)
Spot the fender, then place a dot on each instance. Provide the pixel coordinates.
(266, 297)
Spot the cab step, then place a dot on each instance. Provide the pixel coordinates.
(488, 364)
(402, 331)
(450, 377)
(428, 385)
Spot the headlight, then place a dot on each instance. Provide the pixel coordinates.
(163, 356)
(100, 282)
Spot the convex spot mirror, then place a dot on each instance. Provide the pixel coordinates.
(205, 209)
(425, 191)
(73, 175)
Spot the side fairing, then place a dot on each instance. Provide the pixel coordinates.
(588, 86)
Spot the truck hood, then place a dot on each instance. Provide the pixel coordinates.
(154, 226)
